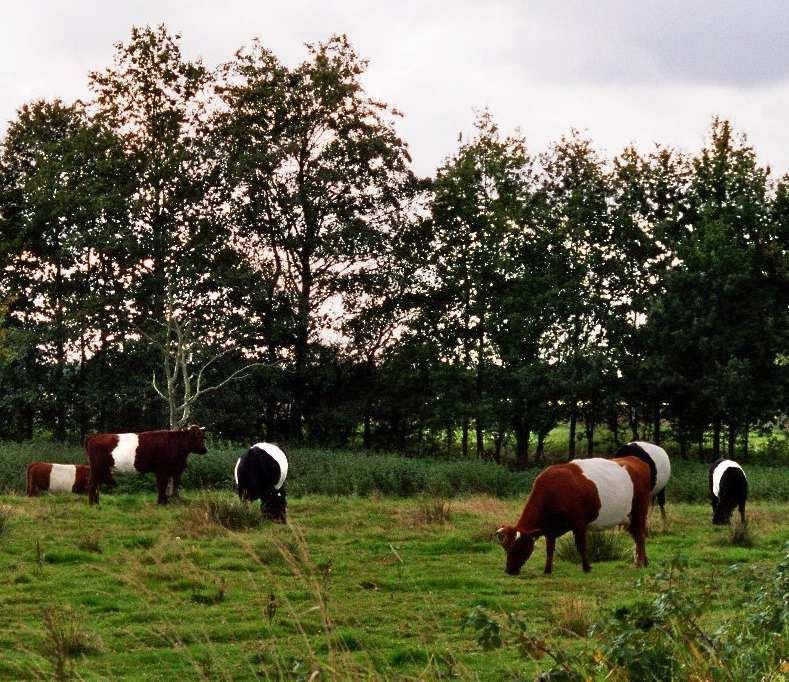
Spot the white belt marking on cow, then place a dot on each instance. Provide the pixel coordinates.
(62, 477)
(280, 458)
(662, 463)
(235, 471)
(717, 474)
(614, 487)
(125, 452)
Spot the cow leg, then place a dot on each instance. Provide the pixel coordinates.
(162, 480)
(177, 483)
(742, 512)
(638, 529)
(550, 546)
(580, 542)
(661, 499)
(94, 483)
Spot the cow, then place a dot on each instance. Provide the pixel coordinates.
(728, 489)
(592, 493)
(659, 467)
(162, 453)
(70, 478)
(260, 474)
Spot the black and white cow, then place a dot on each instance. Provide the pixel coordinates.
(659, 467)
(728, 489)
(260, 474)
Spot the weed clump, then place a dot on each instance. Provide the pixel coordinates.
(5, 520)
(432, 511)
(209, 514)
(605, 545)
(573, 615)
(90, 543)
(64, 640)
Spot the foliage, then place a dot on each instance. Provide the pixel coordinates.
(272, 210)
(664, 634)
(341, 472)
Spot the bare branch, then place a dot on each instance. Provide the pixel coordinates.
(238, 374)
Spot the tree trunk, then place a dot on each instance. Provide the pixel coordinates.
(683, 439)
(479, 384)
(539, 454)
(656, 426)
(571, 443)
(590, 428)
(367, 433)
(300, 350)
(732, 435)
(522, 434)
(633, 421)
(745, 445)
(60, 354)
(716, 438)
(613, 424)
(498, 442)
(464, 437)
(450, 439)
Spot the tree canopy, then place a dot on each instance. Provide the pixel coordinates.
(270, 212)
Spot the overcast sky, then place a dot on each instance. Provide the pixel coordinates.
(624, 71)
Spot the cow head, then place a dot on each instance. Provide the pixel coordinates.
(721, 513)
(275, 505)
(197, 439)
(518, 546)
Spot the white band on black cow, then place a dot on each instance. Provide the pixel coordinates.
(275, 453)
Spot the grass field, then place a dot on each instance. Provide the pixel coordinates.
(355, 587)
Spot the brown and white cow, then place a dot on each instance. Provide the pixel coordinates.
(69, 478)
(162, 453)
(584, 493)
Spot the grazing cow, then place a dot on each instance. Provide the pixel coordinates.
(259, 475)
(584, 493)
(70, 478)
(162, 453)
(659, 467)
(728, 489)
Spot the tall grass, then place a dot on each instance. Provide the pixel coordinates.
(336, 472)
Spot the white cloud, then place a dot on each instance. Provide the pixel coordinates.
(642, 72)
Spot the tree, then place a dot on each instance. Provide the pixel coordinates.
(577, 190)
(719, 318)
(63, 194)
(322, 174)
(478, 196)
(185, 382)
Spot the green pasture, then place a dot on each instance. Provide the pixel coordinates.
(354, 587)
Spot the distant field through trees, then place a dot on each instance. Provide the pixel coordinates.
(273, 210)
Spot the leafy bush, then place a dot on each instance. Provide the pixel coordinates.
(664, 635)
(330, 472)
